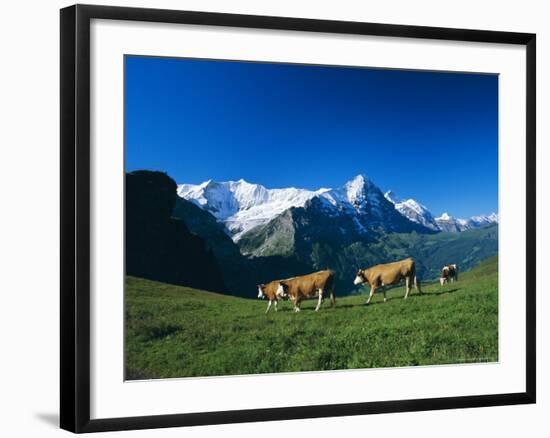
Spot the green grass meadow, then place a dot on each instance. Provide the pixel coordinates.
(174, 331)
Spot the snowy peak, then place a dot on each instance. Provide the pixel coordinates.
(356, 188)
(489, 219)
(241, 205)
(358, 194)
(447, 222)
(412, 210)
(416, 212)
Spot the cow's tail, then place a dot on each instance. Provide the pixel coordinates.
(417, 284)
(332, 299)
(330, 287)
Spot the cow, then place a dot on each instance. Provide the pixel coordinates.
(380, 276)
(449, 272)
(315, 285)
(269, 291)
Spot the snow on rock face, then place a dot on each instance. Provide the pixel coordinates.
(242, 205)
(449, 223)
(356, 189)
(418, 213)
(483, 219)
(355, 195)
(412, 210)
(445, 222)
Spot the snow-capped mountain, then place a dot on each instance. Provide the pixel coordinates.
(242, 206)
(418, 213)
(484, 220)
(413, 211)
(449, 223)
(299, 231)
(355, 212)
(445, 222)
(354, 196)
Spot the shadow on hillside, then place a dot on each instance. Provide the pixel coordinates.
(373, 303)
(442, 292)
(413, 296)
(363, 304)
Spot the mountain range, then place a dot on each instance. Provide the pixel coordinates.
(258, 234)
(228, 237)
(243, 207)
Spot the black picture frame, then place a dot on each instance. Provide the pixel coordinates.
(75, 217)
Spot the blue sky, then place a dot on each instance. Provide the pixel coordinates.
(426, 135)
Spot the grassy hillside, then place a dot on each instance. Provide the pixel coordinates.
(174, 331)
(432, 251)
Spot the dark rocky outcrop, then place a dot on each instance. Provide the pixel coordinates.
(160, 247)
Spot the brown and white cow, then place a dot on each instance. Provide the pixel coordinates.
(315, 285)
(269, 291)
(448, 273)
(383, 275)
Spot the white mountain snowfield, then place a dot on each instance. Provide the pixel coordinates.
(418, 213)
(241, 205)
(413, 211)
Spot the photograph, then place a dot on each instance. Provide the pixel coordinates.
(287, 218)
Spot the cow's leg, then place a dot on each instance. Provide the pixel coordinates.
(297, 306)
(320, 300)
(268, 306)
(332, 300)
(276, 301)
(371, 293)
(384, 290)
(407, 286)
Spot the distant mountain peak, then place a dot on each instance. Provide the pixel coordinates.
(355, 188)
(446, 222)
(358, 180)
(412, 210)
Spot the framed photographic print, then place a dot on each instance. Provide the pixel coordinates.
(271, 218)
